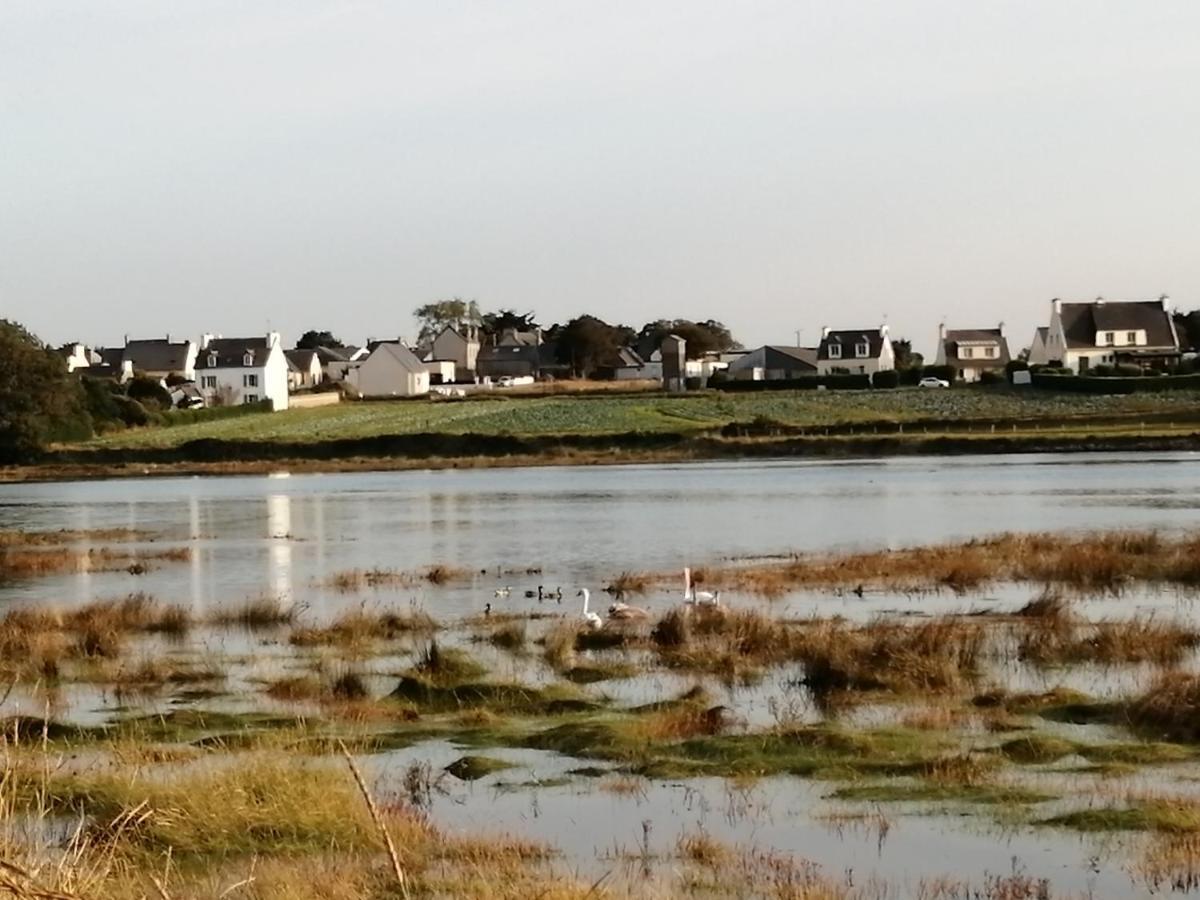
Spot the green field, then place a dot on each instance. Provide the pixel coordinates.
(649, 413)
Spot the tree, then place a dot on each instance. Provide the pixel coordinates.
(704, 337)
(39, 401)
(905, 357)
(587, 343)
(433, 317)
(311, 340)
(496, 322)
(149, 393)
(1187, 326)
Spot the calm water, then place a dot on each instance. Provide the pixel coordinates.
(288, 535)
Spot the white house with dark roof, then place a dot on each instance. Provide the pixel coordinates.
(231, 371)
(1110, 332)
(856, 351)
(391, 370)
(304, 369)
(972, 351)
(154, 357)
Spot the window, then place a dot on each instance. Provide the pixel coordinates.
(248, 359)
(1131, 337)
(861, 350)
(1109, 338)
(208, 381)
(990, 352)
(967, 352)
(835, 351)
(212, 360)
(250, 381)
(250, 398)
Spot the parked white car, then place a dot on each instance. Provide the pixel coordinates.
(932, 382)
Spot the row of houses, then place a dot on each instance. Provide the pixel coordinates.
(216, 370)
(1079, 337)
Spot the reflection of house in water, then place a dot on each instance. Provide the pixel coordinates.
(279, 554)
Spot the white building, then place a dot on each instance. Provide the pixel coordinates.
(855, 352)
(972, 351)
(232, 371)
(391, 370)
(1110, 332)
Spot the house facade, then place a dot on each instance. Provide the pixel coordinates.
(155, 358)
(774, 362)
(459, 345)
(972, 351)
(232, 371)
(304, 369)
(1111, 332)
(390, 370)
(857, 352)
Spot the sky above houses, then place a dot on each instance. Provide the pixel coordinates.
(233, 167)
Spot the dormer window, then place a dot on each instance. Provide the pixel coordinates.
(1131, 337)
(212, 360)
(862, 350)
(966, 352)
(1110, 338)
(248, 359)
(835, 351)
(990, 352)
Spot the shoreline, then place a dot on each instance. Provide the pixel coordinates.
(442, 451)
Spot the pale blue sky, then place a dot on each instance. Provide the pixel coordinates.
(190, 167)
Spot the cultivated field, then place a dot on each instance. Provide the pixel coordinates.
(651, 413)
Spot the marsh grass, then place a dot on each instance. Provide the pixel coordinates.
(360, 628)
(258, 613)
(31, 562)
(353, 580)
(1170, 708)
(510, 636)
(1058, 638)
(1105, 561)
(937, 655)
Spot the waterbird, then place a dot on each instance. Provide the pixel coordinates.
(556, 594)
(487, 610)
(503, 592)
(623, 611)
(694, 597)
(589, 618)
(530, 594)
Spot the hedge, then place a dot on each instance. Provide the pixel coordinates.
(1086, 384)
(804, 383)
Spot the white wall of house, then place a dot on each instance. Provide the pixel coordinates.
(461, 350)
(389, 373)
(856, 364)
(249, 384)
(441, 371)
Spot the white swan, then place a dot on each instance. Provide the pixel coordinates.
(621, 610)
(693, 597)
(589, 618)
(503, 592)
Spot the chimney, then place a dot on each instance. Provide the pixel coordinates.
(1166, 303)
(205, 340)
(126, 340)
(883, 330)
(1099, 301)
(1057, 305)
(824, 332)
(942, 332)
(272, 339)
(1000, 328)
(168, 337)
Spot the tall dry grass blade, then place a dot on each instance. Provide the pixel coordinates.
(373, 809)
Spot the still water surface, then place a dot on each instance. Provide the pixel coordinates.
(581, 526)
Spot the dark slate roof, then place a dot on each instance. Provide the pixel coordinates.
(301, 360)
(848, 340)
(231, 353)
(156, 355)
(100, 371)
(780, 357)
(955, 336)
(1081, 321)
(111, 356)
(530, 353)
